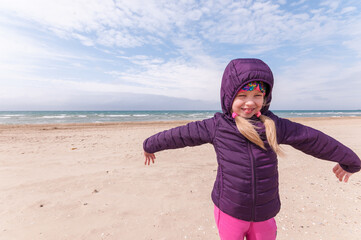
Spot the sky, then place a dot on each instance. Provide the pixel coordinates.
(170, 55)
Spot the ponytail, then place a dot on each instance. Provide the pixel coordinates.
(271, 134)
(249, 131)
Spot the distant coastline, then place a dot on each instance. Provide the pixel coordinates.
(54, 117)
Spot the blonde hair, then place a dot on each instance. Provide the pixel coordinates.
(250, 132)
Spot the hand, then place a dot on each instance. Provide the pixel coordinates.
(148, 157)
(341, 174)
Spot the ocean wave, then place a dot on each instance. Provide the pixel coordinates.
(325, 113)
(121, 116)
(55, 117)
(350, 113)
(13, 115)
(118, 115)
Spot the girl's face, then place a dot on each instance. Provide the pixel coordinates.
(248, 103)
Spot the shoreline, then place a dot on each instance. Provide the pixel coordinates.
(147, 123)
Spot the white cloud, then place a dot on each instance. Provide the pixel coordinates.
(261, 23)
(258, 49)
(84, 40)
(22, 57)
(176, 78)
(354, 44)
(352, 33)
(113, 23)
(136, 23)
(317, 84)
(189, 31)
(332, 5)
(143, 60)
(300, 2)
(172, 79)
(20, 46)
(120, 39)
(348, 10)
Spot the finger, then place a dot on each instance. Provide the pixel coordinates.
(341, 175)
(151, 157)
(346, 178)
(338, 175)
(335, 168)
(340, 172)
(339, 169)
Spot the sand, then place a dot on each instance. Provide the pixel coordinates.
(88, 181)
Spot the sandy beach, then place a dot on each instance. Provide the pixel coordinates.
(88, 181)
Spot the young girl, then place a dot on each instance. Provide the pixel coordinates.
(246, 138)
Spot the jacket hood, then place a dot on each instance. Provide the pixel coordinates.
(240, 72)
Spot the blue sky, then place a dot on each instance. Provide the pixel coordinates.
(160, 55)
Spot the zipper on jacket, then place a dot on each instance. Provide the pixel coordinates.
(253, 168)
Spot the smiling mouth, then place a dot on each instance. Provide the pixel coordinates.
(248, 110)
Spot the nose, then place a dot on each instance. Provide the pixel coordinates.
(250, 102)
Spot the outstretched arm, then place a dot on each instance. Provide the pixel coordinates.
(192, 134)
(318, 144)
(341, 174)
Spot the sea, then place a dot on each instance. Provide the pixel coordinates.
(54, 117)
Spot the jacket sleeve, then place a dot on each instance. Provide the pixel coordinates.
(317, 144)
(192, 134)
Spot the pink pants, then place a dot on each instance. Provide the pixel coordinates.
(231, 228)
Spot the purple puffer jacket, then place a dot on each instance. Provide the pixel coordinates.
(246, 186)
